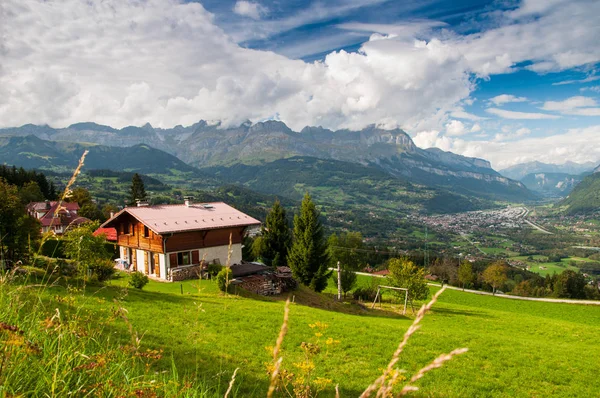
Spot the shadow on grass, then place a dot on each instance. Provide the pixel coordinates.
(452, 312)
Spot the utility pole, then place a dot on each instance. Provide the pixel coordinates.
(426, 254)
(339, 273)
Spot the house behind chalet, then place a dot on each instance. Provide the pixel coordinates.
(55, 216)
(170, 241)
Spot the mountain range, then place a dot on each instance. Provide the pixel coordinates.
(518, 171)
(552, 185)
(204, 146)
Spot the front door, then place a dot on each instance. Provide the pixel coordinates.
(156, 265)
(134, 259)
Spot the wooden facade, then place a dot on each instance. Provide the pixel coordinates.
(134, 234)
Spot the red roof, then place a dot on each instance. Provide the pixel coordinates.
(66, 213)
(110, 233)
(382, 272)
(179, 218)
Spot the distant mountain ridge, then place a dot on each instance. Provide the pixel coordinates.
(551, 185)
(518, 171)
(204, 145)
(33, 152)
(585, 198)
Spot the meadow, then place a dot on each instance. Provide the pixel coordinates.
(516, 348)
(542, 266)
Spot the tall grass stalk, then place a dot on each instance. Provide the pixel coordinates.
(385, 383)
(276, 359)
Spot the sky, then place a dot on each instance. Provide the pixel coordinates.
(507, 81)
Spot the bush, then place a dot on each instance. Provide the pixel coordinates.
(366, 293)
(213, 269)
(53, 248)
(223, 279)
(138, 280)
(102, 269)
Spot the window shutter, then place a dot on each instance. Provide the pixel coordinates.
(173, 259)
(195, 257)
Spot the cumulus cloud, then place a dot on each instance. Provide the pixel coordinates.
(122, 62)
(167, 63)
(250, 9)
(508, 134)
(573, 145)
(503, 113)
(578, 105)
(475, 128)
(456, 128)
(506, 98)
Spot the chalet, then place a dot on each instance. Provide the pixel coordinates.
(54, 217)
(170, 241)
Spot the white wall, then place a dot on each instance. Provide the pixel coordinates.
(139, 256)
(162, 263)
(220, 252)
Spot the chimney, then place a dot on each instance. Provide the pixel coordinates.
(141, 203)
(47, 204)
(188, 200)
(112, 214)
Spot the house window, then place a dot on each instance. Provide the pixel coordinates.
(146, 232)
(121, 229)
(184, 258)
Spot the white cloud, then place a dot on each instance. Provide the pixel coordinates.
(519, 115)
(166, 63)
(506, 98)
(455, 128)
(578, 105)
(460, 113)
(122, 62)
(508, 134)
(426, 139)
(250, 9)
(586, 80)
(577, 145)
(595, 89)
(475, 128)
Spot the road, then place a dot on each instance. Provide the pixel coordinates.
(532, 224)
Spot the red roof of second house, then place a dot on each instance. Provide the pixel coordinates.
(66, 213)
(382, 272)
(179, 218)
(111, 233)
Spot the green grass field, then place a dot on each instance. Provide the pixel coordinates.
(548, 268)
(516, 348)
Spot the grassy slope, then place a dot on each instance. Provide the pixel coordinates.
(548, 268)
(516, 348)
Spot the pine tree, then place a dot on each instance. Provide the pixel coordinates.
(137, 192)
(276, 237)
(308, 256)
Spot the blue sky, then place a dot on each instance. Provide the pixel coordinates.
(509, 81)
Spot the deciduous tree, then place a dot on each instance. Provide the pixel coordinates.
(17, 229)
(88, 250)
(465, 273)
(308, 257)
(404, 273)
(495, 275)
(347, 249)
